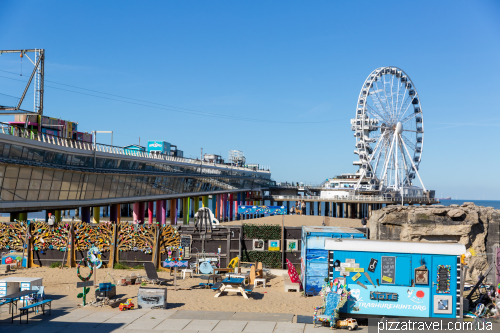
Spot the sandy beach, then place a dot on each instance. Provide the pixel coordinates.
(301, 220)
(61, 283)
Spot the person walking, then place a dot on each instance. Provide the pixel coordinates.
(303, 206)
(51, 220)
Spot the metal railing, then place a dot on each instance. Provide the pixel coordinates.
(71, 143)
(350, 198)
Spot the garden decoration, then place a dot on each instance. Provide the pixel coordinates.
(140, 237)
(12, 236)
(47, 237)
(335, 297)
(84, 279)
(88, 235)
(94, 256)
(169, 239)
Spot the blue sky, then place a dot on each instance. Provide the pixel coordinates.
(292, 70)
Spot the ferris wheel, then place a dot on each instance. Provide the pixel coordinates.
(389, 131)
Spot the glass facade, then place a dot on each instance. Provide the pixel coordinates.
(31, 174)
(31, 184)
(51, 159)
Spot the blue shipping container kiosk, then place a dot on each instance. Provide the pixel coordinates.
(314, 256)
(410, 279)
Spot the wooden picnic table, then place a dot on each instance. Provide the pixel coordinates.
(225, 270)
(234, 285)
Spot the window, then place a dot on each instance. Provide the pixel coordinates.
(9, 183)
(25, 173)
(48, 174)
(22, 184)
(7, 195)
(35, 184)
(46, 184)
(56, 186)
(54, 195)
(20, 195)
(12, 171)
(16, 152)
(32, 195)
(43, 195)
(36, 174)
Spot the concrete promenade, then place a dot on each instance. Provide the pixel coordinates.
(98, 320)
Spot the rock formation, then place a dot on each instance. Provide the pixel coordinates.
(474, 226)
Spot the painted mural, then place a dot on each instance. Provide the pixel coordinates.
(317, 270)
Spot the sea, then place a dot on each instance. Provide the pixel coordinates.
(486, 203)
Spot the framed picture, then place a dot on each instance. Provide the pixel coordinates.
(443, 304)
(274, 245)
(258, 245)
(421, 276)
(292, 245)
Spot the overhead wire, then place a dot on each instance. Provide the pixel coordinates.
(160, 106)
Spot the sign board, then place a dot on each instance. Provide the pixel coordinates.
(84, 284)
(272, 210)
(185, 241)
(354, 269)
(159, 146)
(443, 279)
(388, 270)
(398, 301)
(373, 265)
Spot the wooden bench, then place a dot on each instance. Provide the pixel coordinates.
(289, 285)
(33, 306)
(11, 305)
(216, 286)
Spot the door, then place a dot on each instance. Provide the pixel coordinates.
(443, 278)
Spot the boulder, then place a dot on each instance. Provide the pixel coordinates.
(474, 226)
(456, 213)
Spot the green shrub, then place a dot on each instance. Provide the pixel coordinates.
(261, 231)
(271, 259)
(120, 265)
(55, 265)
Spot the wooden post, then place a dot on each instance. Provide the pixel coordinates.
(72, 252)
(112, 247)
(228, 255)
(282, 240)
(29, 247)
(156, 253)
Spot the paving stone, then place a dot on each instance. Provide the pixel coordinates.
(102, 328)
(289, 328)
(260, 326)
(157, 313)
(38, 329)
(201, 325)
(208, 315)
(256, 316)
(230, 326)
(144, 323)
(310, 328)
(173, 324)
(304, 319)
